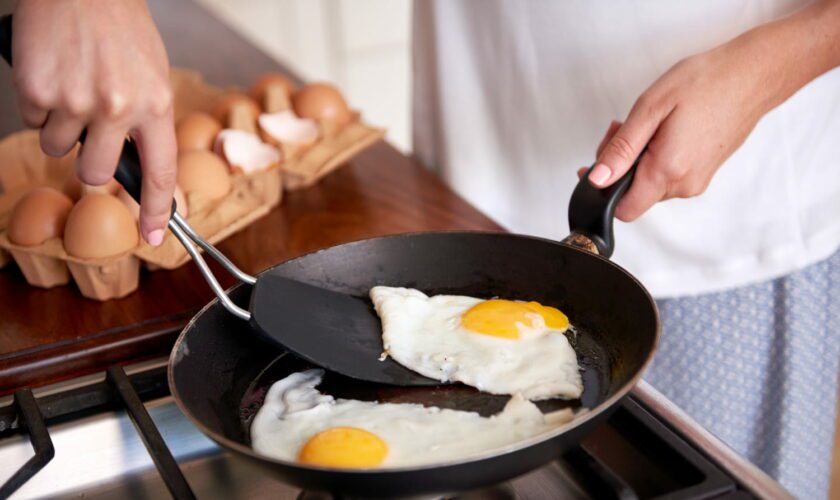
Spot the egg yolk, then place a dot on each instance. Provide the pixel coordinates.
(344, 447)
(502, 318)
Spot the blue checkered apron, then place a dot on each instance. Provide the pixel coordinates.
(758, 367)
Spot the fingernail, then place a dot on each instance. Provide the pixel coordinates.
(155, 237)
(600, 174)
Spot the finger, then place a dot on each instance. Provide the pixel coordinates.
(581, 172)
(156, 145)
(33, 116)
(100, 153)
(611, 130)
(60, 133)
(627, 143)
(649, 186)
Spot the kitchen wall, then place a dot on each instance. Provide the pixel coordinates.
(363, 46)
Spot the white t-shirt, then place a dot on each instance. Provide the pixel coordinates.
(510, 98)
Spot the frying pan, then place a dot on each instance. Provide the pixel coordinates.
(220, 367)
(219, 370)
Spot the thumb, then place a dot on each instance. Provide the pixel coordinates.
(617, 156)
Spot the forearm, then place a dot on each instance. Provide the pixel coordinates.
(789, 53)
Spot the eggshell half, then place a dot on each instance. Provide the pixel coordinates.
(285, 128)
(245, 152)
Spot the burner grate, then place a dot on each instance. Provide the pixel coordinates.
(28, 414)
(31, 418)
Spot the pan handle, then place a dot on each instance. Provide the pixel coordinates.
(591, 212)
(130, 176)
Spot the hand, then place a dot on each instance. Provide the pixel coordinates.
(700, 111)
(100, 65)
(691, 120)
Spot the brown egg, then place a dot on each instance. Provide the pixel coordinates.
(321, 101)
(236, 110)
(197, 131)
(75, 189)
(99, 226)
(134, 207)
(273, 92)
(203, 172)
(40, 215)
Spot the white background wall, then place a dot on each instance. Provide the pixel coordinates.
(363, 46)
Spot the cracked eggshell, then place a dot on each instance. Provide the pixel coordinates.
(273, 92)
(284, 127)
(39, 215)
(203, 172)
(99, 226)
(197, 130)
(245, 152)
(321, 101)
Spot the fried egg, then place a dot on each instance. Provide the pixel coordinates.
(299, 423)
(497, 346)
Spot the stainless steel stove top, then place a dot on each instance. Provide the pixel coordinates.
(103, 456)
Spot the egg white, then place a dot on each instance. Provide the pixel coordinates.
(294, 411)
(424, 334)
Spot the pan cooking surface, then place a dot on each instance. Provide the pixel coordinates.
(592, 359)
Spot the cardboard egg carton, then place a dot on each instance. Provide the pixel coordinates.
(252, 196)
(48, 265)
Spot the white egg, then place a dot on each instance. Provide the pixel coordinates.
(383, 435)
(509, 350)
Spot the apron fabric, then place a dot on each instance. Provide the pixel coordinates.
(758, 366)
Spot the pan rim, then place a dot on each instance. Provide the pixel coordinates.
(589, 414)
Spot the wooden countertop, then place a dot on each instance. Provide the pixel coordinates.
(50, 335)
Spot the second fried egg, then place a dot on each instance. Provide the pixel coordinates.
(497, 346)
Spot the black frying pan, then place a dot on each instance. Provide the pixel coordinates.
(219, 369)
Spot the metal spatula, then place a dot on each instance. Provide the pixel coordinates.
(330, 329)
(334, 330)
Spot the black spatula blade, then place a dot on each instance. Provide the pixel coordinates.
(334, 330)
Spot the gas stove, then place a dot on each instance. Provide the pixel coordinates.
(120, 435)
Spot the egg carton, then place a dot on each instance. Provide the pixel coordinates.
(250, 198)
(302, 166)
(48, 265)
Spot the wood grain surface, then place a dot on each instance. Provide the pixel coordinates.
(49, 335)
